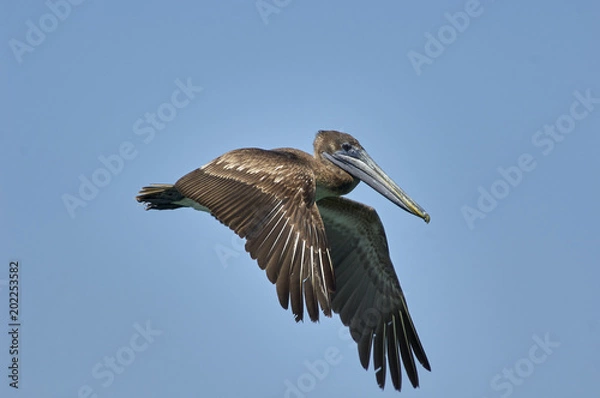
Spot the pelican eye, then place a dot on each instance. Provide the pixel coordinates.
(346, 147)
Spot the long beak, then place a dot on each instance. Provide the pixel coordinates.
(360, 165)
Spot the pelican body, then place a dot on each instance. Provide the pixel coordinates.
(319, 249)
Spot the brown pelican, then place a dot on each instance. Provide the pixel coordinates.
(317, 248)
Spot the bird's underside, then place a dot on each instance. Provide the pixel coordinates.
(319, 250)
(369, 298)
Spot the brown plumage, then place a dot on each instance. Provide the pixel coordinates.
(317, 248)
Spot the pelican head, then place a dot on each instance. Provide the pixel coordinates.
(345, 151)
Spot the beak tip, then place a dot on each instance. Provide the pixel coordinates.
(426, 218)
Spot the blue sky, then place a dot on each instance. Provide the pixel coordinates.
(487, 113)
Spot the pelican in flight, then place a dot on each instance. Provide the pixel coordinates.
(319, 249)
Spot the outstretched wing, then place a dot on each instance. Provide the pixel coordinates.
(368, 296)
(268, 197)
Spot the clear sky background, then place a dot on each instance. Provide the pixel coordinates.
(503, 284)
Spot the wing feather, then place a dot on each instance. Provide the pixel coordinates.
(369, 298)
(268, 197)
